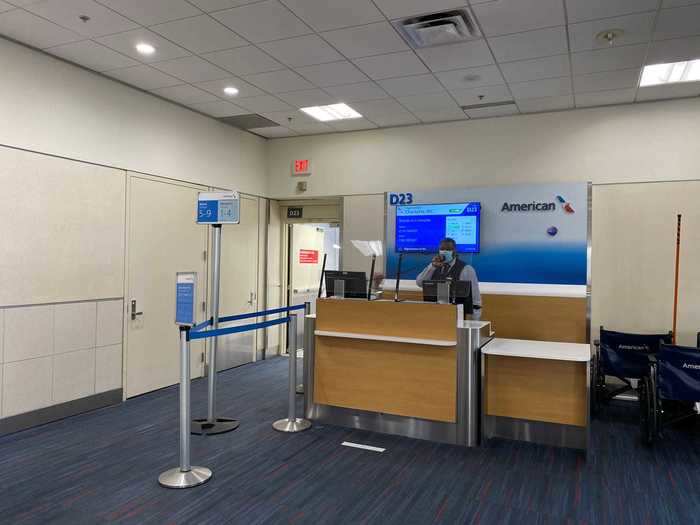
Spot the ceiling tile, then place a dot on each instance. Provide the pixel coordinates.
(357, 92)
(219, 5)
(675, 50)
(537, 105)
(308, 97)
(611, 59)
(604, 98)
(279, 81)
(471, 78)
(274, 132)
(264, 104)
(149, 12)
(92, 55)
(126, 43)
(549, 87)
(686, 89)
(334, 74)
(493, 111)
(402, 8)
(416, 85)
(144, 77)
(428, 102)
(299, 118)
(192, 69)
(531, 44)
(316, 128)
(626, 78)
(580, 10)
(67, 13)
(263, 21)
(5, 7)
(200, 34)
(216, 87)
(325, 15)
(185, 94)
(395, 119)
(442, 115)
(483, 95)
(219, 108)
(392, 65)
(514, 16)
(302, 51)
(678, 3)
(537, 68)
(33, 30)
(457, 56)
(636, 30)
(373, 108)
(372, 39)
(677, 23)
(244, 60)
(353, 124)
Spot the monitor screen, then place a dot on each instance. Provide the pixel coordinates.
(421, 227)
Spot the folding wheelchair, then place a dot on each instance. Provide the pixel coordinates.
(624, 356)
(670, 391)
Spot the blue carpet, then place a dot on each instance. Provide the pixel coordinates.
(102, 467)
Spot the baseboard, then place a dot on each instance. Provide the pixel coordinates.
(53, 413)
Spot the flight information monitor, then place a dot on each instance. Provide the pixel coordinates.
(421, 227)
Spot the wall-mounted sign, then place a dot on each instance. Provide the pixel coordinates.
(222, 207)
(295, 213)
(308, 256)
(400, 199)
(185, 294)
(301, 167)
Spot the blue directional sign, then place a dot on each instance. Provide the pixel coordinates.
(185, 298)
(218, 208)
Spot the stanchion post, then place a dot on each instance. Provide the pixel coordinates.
(292, 423)
(213, 424)
(307, 311)
(184, 476)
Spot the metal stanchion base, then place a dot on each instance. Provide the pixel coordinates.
(177, 479)
(287, 425)
(300, 388)
(209, 428)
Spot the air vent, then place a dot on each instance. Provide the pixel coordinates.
(251, 121)
(448, 27)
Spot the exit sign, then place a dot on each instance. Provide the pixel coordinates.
(301, 167)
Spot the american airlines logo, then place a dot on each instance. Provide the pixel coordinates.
(633, 347)
(691, 366)
(529, 206)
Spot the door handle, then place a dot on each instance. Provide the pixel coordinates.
(250, 301)
(134, 313)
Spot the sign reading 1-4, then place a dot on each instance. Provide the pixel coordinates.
(219, 208)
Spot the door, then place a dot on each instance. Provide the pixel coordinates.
(239, 284)
(163, 239)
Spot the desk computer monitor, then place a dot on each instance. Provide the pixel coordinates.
(355, 283)
(460, 293)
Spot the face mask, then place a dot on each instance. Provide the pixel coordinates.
(446, 255)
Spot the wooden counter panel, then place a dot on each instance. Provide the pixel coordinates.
(536, 389)
(393, 378)
(416, 320)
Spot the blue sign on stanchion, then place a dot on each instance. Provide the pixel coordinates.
(185, 297)
(218, 208)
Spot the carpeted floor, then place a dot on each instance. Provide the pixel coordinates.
(102, 467)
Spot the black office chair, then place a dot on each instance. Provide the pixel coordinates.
(624, 356)
(669, 392)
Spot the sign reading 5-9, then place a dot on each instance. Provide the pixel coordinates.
(399, 199)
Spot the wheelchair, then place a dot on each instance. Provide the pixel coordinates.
(624, 356)
(670, 391)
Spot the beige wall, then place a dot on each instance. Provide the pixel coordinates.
(363, 220)
(641, 142)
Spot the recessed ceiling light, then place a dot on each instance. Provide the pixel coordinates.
(145, 49)
(231, 91)
(671, 73)
(332, 112)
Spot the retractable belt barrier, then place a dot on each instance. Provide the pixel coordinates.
(198, 329)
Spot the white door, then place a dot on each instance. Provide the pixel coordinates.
(239, 283)
(163, 239)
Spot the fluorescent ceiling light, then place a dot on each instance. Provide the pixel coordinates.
(231, 91)
(145, 49)
(332, 112)
(658, 74)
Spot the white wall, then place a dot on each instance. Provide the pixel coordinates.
(363, 220)
(53, 107)
(641, 142)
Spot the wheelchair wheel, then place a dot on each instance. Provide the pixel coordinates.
(594, 386)
(647, 411)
